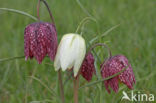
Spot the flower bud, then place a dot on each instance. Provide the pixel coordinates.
(114, 65)
(70, 53)
(88, 68)
(40, 39)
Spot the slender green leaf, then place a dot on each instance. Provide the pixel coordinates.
(83, 8)
(11, 58)
(19, 12)
(99, 81)
(43, 84)
(104, 34)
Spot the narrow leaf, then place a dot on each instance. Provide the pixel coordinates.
(11, 58)
(99, 81)
(104, 34)
(19, 12)
(83, 8)
(43, 84)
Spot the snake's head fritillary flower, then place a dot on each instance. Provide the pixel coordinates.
(88, 68)
(40, 39)
(70, 53)
(114, 65)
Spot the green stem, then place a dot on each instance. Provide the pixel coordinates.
(99, 81)
(95, 53)
(101, 44)
(19, 12)
(90, 16)
(83, 21)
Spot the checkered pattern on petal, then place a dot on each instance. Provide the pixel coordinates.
(88, 68)
(40, 39)
(114, 65)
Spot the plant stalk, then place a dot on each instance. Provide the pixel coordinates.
(76, 87)
(61, 86)
(101, 44)
(48, 8)
(50, 13)
(38, 10)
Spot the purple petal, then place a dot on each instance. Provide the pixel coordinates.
(40, 39)
(114, 65)
(87, 68)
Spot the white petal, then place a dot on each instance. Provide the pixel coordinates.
(80, 53)
(66, 58)
(57, 62)
(71, 52)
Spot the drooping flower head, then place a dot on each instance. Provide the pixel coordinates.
(70, 53)
(40, 39)
(114, 65)
(88, 68)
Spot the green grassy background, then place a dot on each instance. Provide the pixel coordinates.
(135, 38)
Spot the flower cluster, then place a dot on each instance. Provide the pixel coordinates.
(40, 39)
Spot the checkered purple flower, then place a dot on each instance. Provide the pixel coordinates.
(40, 39)
(88, 68)
(114, 65)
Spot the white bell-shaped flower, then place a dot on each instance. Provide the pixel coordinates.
(70, 53)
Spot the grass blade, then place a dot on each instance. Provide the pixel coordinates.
(43, 84)
(83, 8)
(104, 34)
(83, 21)
(49, 64)
(11, 58)
(19, 12)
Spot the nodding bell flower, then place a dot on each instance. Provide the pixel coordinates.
(70, 53)
(40, 39)
(114, 65)
(88, 68)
